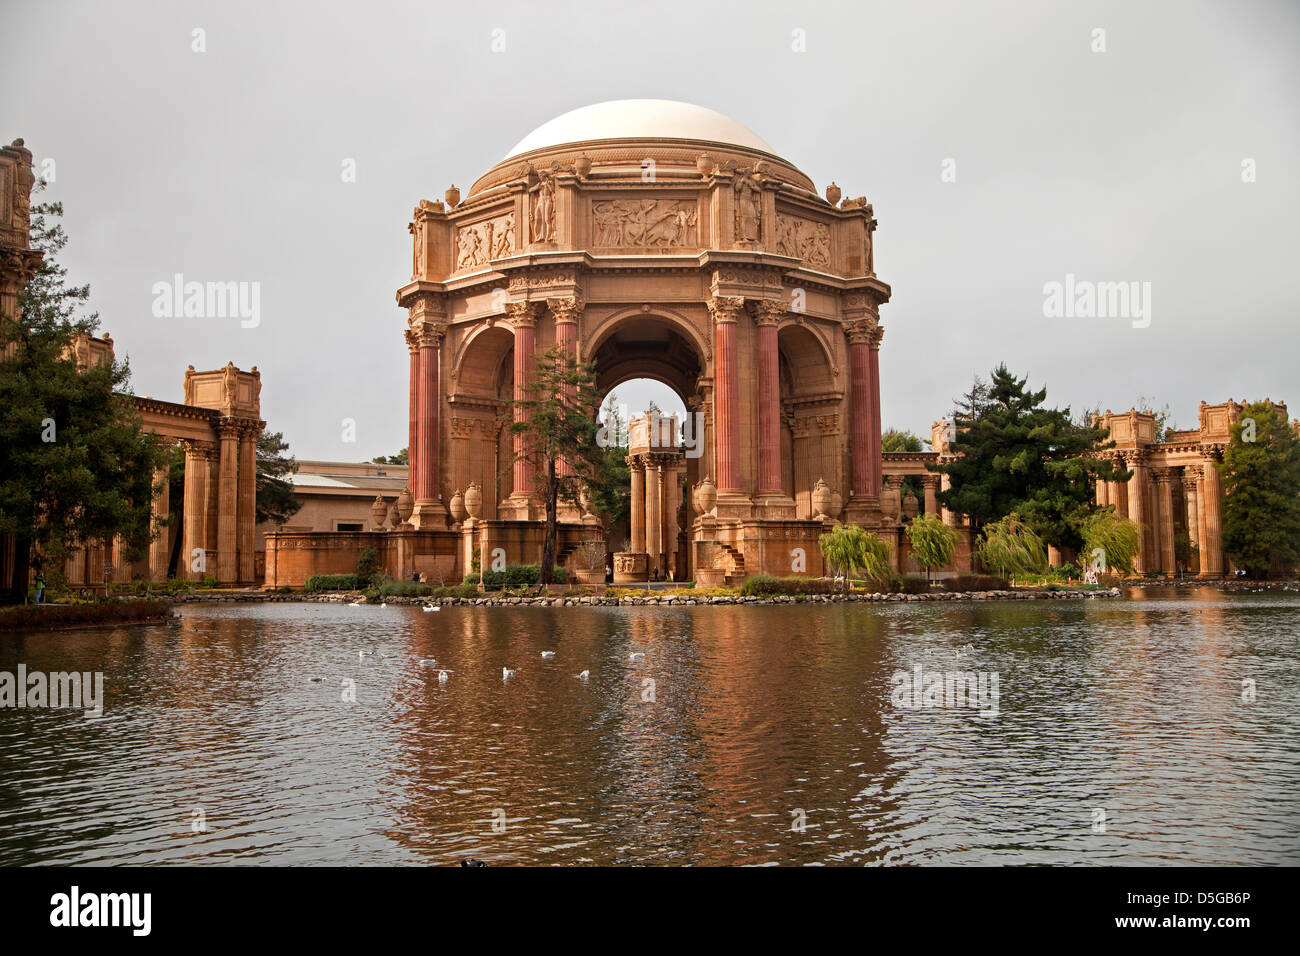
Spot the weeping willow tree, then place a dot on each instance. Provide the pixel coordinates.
(848, 548)
(1009, 546)
(1110, 541)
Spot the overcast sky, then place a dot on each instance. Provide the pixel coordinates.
(1122, 165)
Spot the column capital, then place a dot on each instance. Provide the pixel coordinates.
(523, 315)
(229, 427)
(412, 340)
(566, 308)
(199, 448)
(1191, 475)
(866, 332)
(1163, 474)
(1135, 457)
(769, 311)
(929, 481)
(1212, 454)
(429, 335)
(725, 308)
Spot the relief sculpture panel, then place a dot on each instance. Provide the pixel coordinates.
(644, 223)
(802, 239)
(491, 239)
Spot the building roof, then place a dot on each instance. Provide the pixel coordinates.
(640, 119)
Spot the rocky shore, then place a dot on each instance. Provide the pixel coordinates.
(670, 600)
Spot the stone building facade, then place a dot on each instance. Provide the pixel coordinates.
(656, 240)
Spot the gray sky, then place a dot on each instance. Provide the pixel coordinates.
(1123, 165)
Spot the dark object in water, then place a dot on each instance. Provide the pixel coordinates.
(472, 863)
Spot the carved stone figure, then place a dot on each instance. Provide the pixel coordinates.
(748, 208)
(544, 208)
(644, 223)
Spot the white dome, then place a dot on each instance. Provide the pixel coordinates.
(639, 119)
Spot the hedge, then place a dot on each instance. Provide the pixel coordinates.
(758, 585)
(514, 576)
(336, 582)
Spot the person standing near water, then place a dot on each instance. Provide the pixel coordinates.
(40, 588)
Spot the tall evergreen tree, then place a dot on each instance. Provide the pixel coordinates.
(1261, 485)
(1015, 455)
(557, 417)
(75, 464)
(275, 497)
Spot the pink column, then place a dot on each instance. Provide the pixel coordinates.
(566, 312)
(873, 388)
(413, 431)
(726, 389)
(427, 427)
(525, 337)
(769, 407)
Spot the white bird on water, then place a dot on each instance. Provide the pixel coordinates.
(507, 673)
(430, 607)
(583, 676)
(636, 656)
(428, 662)
(355, 604)
(442, 677)
(362, 655)
(547, 655)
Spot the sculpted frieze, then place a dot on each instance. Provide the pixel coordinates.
(803, 239)
(644, 223)
(491, 239)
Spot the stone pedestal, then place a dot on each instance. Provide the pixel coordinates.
(631, 567)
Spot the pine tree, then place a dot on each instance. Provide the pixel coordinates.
(75, 463)
(557, 417)
(1015, 455)
(275, 498)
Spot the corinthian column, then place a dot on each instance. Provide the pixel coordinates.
(1191, 479)
(864, 384)
(194, 510)
(523, 316)
(159, 553)
(767, 316)
(1212, 532)
(653, 516)
(1165, 526)
(228, 503)
(246, 517)
(428, 494)
(638, 503)
(725, 310)
(566, 310)
(1135, 462)
(413, 426)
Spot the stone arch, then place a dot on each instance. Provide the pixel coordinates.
(482, 384)
(810, 427)
(658, 344)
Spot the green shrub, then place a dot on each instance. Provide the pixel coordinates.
(368, 566)
(391, 588)
(515, 576)
(759, 585)
(334, 582)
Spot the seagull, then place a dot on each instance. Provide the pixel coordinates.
(355, 604)
(385, 604)
(362, 655)
(636, 656)
(547, 655)
(442, 677)
(430, 607)
(583, 676)
(507, 673)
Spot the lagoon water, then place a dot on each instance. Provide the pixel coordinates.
(1124, 734)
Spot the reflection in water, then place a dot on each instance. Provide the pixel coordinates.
(745, 735)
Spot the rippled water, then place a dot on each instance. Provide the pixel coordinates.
(768, 736)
